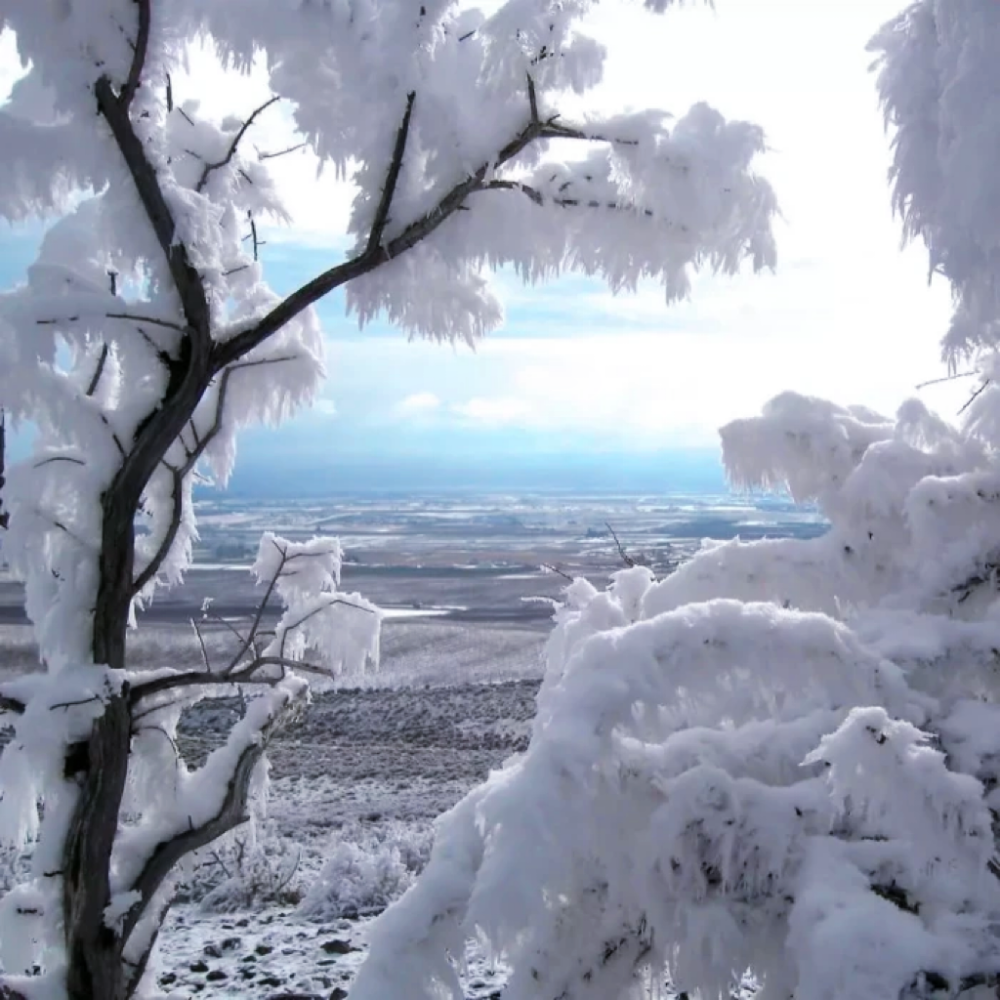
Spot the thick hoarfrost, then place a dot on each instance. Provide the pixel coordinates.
(780, 758)
(145, 336)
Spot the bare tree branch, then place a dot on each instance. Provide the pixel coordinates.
(99, 371)
(548, 567)
(258, 617)
(59, 458)
(4, 515)
(281, 152)
(391, 178)
(201, 643)
(209, 167)
(626, 558)
(218, 619)
(945, 378)
(975, 396)
(152, 320)
(139, 49)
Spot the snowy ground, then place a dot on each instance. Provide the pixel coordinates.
(356, 784)
(369, 768)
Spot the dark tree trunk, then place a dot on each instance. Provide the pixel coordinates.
(100, 766)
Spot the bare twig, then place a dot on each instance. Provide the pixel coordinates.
(141, 45)
(257, 243)
(59, 458)
(532, 100)
(333, 602)
(219, 620)
(548, 567)
(99, 371)
(151, 320)
(261, 608)
(216, 858)
(163, 733)
(945, 378)
(4, 515)
(201, 643)
(281, 152)
(75, 703)
(391, 178)
(626, 558)
(218, 165)
(975, 396)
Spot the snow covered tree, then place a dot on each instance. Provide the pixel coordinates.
(146, 336)
(784, 758)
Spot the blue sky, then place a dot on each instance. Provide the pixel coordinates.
(577, 372)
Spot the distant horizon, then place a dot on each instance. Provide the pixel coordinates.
(307, 475)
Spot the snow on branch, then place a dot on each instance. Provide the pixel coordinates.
(212, 802)
(939, 89)
(341, 629)
(231, 152)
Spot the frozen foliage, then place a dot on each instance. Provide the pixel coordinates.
(366, 872)
(145, 337)
(780, 758)
(783, 757)
(939, 83)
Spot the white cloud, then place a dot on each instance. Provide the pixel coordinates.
(417, 404)
(495, 411)
(325, 407)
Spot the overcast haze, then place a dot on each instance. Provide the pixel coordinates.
(580, 373)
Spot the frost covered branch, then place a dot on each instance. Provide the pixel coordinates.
(139, 50)
(139, 390)
(391, 178)
(377, 251)
(231, 812)
(185, 276)
(231, 152)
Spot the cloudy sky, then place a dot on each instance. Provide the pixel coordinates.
(848, 315)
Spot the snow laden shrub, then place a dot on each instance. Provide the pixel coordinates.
(248, 871)
(795, 777)
(145, 336)
(784, 758)
(366, 871)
